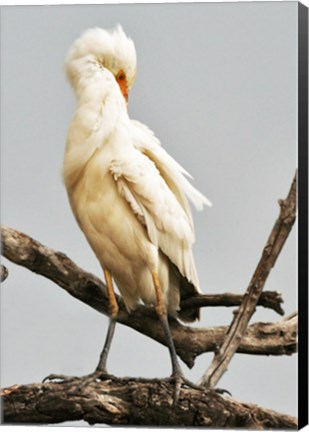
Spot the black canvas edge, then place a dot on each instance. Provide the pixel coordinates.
(303, 215)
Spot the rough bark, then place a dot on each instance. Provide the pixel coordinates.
(136, 402)
(190, 342)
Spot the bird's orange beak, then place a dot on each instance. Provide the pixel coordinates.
(123, 84)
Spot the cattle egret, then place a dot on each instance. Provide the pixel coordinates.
(128, 195)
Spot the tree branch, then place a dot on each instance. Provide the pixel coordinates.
(137, 402)
(190, 342)
(237, 329)
(268, 299)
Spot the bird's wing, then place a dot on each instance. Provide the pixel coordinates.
(172, 172)
(139, 181)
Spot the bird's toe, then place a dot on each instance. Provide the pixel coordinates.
(222, 391)
(58, 378)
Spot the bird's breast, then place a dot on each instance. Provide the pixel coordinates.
(105, 217)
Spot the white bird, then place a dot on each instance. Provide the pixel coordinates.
(129, 196)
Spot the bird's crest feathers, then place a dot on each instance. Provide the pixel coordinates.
(111, 49)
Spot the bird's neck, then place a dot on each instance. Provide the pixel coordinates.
(100, 109)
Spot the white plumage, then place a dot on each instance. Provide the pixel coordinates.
(127, 194)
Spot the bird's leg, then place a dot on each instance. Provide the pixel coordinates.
(113, 312)
(101, 370)
(177, 374)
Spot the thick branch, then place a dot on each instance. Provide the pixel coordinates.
(134, 402)
(237, 329)
(190, 342)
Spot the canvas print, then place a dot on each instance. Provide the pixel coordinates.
(149, 215)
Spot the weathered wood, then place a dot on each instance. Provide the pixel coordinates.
(268, 299)
(242, 316)
(190, 342)
(135, 402)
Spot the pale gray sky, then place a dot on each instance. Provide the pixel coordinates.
(217, 82)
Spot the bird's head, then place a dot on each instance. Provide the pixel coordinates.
(111, 50)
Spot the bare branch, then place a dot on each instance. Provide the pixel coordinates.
(268, 299)
(138, 402)
(190, 342)
(275, 242)
(260, 338)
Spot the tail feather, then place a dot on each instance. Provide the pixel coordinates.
(186, 289)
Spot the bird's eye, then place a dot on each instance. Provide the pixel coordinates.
(121, 76)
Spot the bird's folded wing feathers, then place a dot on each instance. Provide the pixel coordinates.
(155, 205)
(173, 173)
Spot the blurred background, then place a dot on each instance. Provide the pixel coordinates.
(217, 83)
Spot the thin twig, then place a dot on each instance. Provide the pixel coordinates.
(237, 329)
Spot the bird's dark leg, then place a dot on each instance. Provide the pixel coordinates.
(177, 374)
(113, 310)
(101, 369)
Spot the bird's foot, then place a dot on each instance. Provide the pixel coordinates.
(59, 378)
(96, 376)
(180, 380)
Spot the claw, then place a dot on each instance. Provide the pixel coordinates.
(222, 391)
